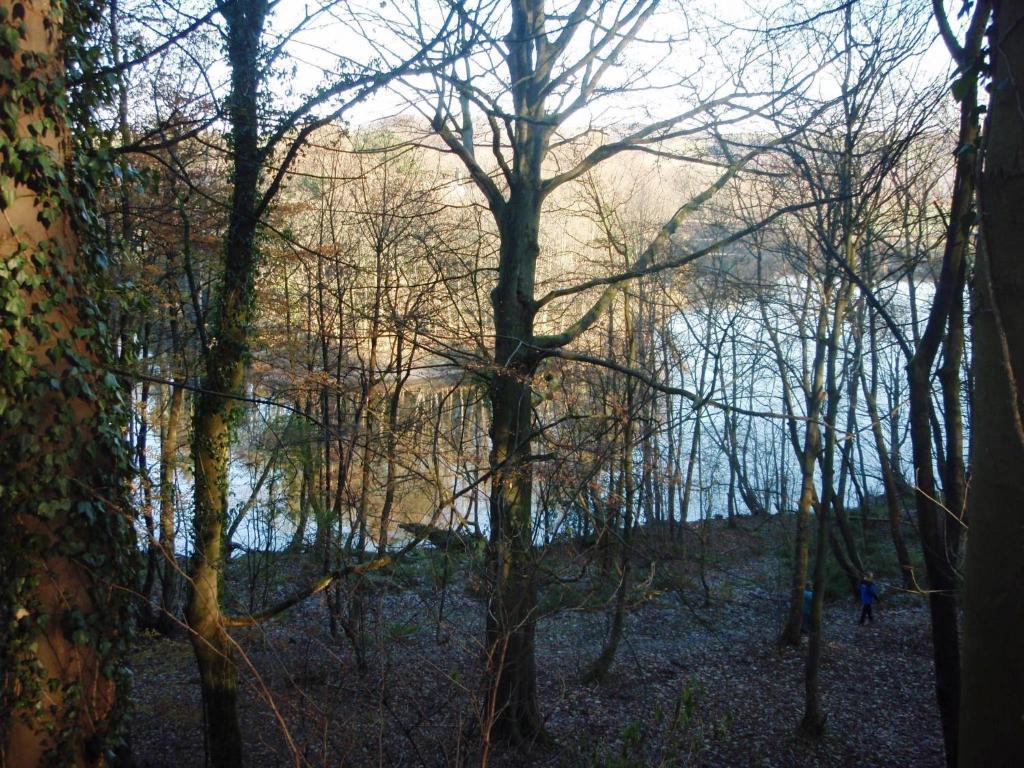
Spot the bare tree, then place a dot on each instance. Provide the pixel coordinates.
(258, 148)
(551, 66)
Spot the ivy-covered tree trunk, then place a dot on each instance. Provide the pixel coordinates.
(66, 544)
(214, 406)
(992, 712)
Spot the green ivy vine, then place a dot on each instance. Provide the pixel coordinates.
(64, 464)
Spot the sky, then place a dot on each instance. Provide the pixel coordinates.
(688, 51)
(708, 39)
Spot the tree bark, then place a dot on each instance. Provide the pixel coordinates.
(168, 460)
(813, 723)
(933, 521)
(992, 712)
(599, 669)
(889, 476)
(511, 615)
(808, 456)
(66, 544)
(225, 367)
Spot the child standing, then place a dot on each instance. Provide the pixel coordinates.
(868, 594)
(805, 617)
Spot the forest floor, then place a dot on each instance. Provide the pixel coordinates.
(691, 685)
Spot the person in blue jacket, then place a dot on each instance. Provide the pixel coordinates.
(868, 594)
(805, 618)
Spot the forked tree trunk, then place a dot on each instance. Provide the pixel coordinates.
(403, 370)
(813, 723)
(851, 559)
(672, 465)
(698, 412)
(146, 486)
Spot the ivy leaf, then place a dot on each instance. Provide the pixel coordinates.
(15, 305)
(960, 88)
(7, 192)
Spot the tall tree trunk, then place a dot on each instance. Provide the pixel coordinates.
(698, 412)
(66, 544)
(853, 366)
(146, 486)
(403, 370)
(992, 715)
(889, 478)
(672, 466)
(599, 669)
(813, 723)
(168, 461)
(511, 615)
(807, 457)
(306, 482)
(732, 444)
(225, 368)
(931, 518)
(954, 475)
(691, 463)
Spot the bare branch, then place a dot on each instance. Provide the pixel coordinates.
(668, 389)
(644, 266)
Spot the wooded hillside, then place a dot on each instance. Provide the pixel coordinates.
(598, 382)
